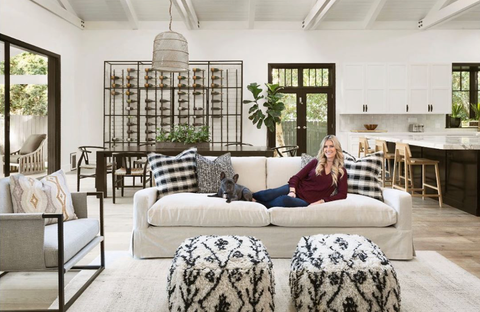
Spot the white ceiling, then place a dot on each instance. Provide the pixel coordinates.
(324, 14)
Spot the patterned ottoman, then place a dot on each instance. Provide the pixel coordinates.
(221, 273)
(342, 272)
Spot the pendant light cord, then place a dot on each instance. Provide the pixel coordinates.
(170, 12)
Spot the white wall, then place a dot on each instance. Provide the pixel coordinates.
(84, 52)
(28, 22)
(257, 48)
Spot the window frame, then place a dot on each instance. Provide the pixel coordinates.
(474, 72)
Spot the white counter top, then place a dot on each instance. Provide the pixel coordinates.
(443, 142)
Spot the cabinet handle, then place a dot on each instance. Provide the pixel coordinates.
(366, 106)
(363, 109)
(407, 108)
(428, 109)
(431, 108)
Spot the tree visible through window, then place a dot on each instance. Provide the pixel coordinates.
(26, 99)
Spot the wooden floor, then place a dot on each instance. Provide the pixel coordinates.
(449, 231)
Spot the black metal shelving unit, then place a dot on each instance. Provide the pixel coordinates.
(138, 101)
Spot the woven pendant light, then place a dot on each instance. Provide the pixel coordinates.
(170, 50)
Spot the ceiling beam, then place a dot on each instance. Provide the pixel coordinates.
(66, 4)
(317, 14)
(449, 12)
(130, 12)
(187, 14)
(56, 9)
(437, 6)
(192, 14)
(373, 13)
(251, 13)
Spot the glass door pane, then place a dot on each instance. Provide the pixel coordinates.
(286, 132)
(28, 111)
(317, 127)
(2, 108)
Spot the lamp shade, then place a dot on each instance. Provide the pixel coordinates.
(170, 52)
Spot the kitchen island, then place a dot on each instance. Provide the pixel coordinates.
(459, 157)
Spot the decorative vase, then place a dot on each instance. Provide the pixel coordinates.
(178, 145)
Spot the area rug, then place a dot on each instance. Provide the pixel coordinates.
(430, 282)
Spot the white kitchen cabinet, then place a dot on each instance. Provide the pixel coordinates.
(364, 88)
(397, 88)
(430, 89)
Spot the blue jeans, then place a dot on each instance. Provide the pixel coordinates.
(278, 197)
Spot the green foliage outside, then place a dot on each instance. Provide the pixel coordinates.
(26, 99)
(184, 134)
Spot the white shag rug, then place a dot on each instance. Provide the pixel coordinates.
(430, 282)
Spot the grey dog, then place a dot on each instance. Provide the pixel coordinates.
(230, 190)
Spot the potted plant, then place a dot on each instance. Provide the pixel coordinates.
(476, 111)
(456, 115)
(181, 136)
(273, 104)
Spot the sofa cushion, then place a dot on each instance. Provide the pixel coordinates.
(251, 171)
(281, 169)
(189, 209)
(363, 174)
(354, 211)
(174, 174)
(209, 170)
(77, 234)
(50, 195)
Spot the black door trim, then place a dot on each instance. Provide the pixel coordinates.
(54, 102)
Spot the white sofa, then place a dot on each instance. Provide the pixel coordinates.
(159, 226)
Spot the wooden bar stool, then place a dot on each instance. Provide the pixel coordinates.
(381, 146)
(363, 147)
(404, 155)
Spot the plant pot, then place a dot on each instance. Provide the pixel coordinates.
(473, 123)
(178, 145)
(455, 122)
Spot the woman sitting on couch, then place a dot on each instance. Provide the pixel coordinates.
(322, 180)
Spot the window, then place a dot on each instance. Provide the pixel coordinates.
(466, 93)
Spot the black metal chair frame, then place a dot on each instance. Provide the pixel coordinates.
(128, 167)
(84, 158)
(291, 149)
(62, 305)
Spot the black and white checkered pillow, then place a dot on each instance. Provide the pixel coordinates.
(363, 174)
(174, 174)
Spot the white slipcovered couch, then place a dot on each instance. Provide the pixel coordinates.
(159, 226)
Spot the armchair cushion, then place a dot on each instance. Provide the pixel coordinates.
(32, 143)
(50, 195)
(77, 234)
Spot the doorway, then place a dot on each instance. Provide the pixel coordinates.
(29, 109)
(309, 115)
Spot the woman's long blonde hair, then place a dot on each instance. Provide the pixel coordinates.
(338, 163)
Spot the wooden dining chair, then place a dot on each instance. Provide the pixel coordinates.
(129, 165)
(403, 155)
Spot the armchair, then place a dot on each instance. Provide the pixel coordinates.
(27, 244)
(30, 158)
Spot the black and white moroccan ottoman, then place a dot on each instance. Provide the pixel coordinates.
(221, 273)
(342, 272)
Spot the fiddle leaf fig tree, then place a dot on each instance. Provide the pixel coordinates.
(272, 102)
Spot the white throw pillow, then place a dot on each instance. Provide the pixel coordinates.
(49, 195)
